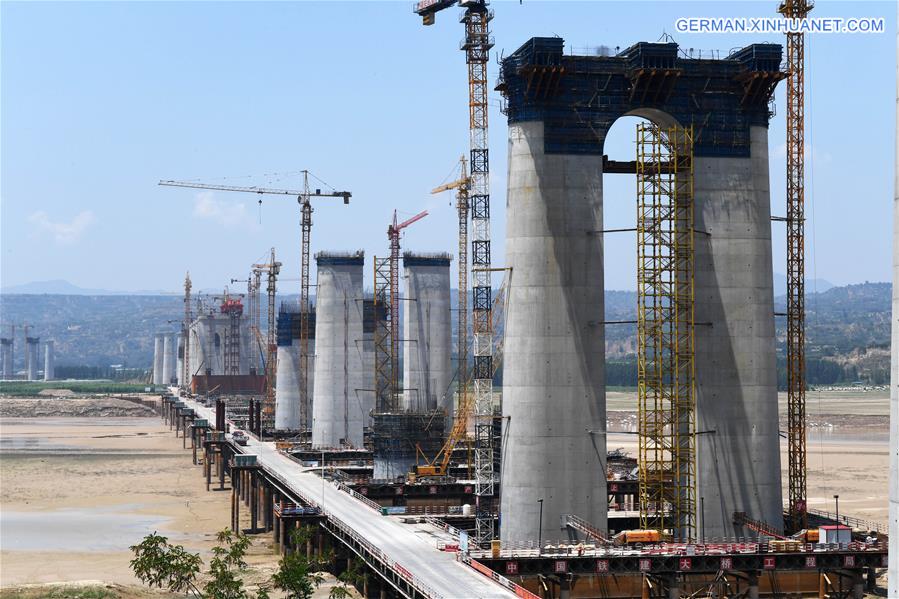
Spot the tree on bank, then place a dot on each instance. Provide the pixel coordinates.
(158, 563)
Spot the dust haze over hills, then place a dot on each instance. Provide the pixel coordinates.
(848, 329)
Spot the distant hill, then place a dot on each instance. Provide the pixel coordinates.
(811, 285)
(848, 329)
(57, 287)
(61, 287)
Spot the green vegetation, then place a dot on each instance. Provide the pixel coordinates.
(102, 372)
(63, 592)
(159, 564)
(621, 373)
(31, 388)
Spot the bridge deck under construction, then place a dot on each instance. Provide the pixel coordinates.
(410, 552)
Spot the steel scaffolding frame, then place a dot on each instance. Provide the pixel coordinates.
(232, 343)
(385, 359)
(665, 329)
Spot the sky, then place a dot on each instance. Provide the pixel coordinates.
(99, 101)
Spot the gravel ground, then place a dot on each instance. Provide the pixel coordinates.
(36, 407)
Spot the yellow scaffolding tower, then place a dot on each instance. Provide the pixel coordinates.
(665, 326)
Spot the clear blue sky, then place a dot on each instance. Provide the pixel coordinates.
(100, 100)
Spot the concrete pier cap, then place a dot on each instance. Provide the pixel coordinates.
(560, 108)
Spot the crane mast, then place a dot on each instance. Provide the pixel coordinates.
(476, 45)
(795, 220)
(273, 269)
(185, 363)
(257, 309)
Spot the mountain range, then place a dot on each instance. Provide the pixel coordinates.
(848, 327)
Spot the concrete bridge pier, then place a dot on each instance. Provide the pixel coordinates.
(284, 542)
(207, 464)
(276, 523)
(198, 443)
(265, 498)
(858, 585)
(235, 504)
(220, 464)
(673, 586)
(566, 583)
(753, 580)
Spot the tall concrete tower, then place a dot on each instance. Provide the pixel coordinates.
(49, 362)
(554, 389)
(427, 331)
(893, 591)
(168, 359)
(6, 347)
(287, 385)
(336, 399)
(32, 345)
(158, 354)
(553, 373)
(287, 392)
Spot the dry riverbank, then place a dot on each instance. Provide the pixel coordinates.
(76, 492)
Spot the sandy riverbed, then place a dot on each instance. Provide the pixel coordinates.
(77, 492)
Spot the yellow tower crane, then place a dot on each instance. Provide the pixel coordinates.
(795, 219)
